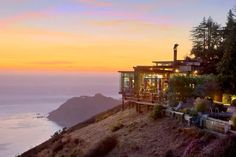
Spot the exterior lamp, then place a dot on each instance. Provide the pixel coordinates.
(177, 70)
(195, 72)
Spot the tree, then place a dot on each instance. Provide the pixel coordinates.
(207, 44)
(182, 87)
(227, 65)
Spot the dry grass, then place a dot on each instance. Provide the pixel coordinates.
(225, 147)
(190, 132)
(103, 147)
(117, 126)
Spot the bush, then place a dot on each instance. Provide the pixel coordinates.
(189, 111)
(233, 103)
(103, 147)
(182, 87)
(57, 147)
(234, 120)
(202, 105)
(157, 112)
(117, 127)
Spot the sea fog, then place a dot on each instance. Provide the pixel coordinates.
(27, 98)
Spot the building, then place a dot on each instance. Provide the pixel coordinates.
(149, 83)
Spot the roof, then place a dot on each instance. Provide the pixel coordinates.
(126, 71)
(154, 69)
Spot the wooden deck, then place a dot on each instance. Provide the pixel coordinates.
(141, 106)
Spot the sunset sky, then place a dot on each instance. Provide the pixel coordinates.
(98, 35)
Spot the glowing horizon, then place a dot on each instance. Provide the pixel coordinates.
(93, 35)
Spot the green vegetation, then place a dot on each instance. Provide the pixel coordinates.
(183, 87)
(157, 112)
(207, 44)
(227, 65)
(215, 47)
(189, 111)
(201, 105)
(59, 132)
(103, 147)
(233, 103)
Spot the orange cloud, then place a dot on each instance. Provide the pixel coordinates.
(53, 63)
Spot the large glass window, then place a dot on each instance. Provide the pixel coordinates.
(127, 83)
(150, 83)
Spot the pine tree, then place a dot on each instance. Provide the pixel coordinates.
(227, 65)
(207, 39)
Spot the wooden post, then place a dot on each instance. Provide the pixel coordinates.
(123, 105)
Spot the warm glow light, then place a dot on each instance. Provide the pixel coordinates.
(177, 70)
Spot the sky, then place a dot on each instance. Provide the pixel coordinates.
(98, 35)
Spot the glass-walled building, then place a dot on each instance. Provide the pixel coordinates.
(127, 83)
(149, 83)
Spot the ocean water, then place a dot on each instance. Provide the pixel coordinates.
(26, 100)
(23, 126)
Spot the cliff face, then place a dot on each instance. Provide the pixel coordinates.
(78, 109)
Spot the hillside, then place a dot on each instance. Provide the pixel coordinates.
(78, 109)
(129, 134)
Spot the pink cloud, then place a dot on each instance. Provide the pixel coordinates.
(132, 24)
(22, 17)
(95, 3)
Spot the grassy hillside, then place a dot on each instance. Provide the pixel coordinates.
(126, 133)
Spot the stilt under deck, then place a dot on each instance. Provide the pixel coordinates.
(141, 106)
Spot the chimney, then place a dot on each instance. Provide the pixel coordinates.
(175, 54)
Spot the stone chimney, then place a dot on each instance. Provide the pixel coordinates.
(175, 54)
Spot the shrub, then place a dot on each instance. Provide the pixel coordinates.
(117, 127)
(233, 103)
(182, 87)
(157, 112)
(169, 153)
(234, 120)
(103, 147)
(201, 105)
(185, 110)
(189, 111)
(57, 147)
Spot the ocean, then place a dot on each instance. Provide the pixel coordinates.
(26, 100)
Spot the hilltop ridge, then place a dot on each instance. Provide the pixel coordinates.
(78, 109)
